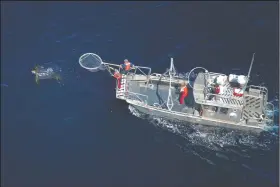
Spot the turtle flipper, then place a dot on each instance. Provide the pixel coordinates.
(37, 79)
(57, 77)
(35, 71)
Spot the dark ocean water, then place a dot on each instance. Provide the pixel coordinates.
(78, 134)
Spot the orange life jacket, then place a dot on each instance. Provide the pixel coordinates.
(184, 91)
(127, 66)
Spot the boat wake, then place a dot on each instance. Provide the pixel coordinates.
(212, 144)
(211, 138)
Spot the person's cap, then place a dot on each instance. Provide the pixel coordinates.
(125, 60)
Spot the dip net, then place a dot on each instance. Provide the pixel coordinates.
(91, 62)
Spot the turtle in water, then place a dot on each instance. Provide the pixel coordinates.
(49, 72)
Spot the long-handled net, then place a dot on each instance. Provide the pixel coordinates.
(94, 63)
(91, 62)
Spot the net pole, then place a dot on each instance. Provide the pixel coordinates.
(169, 98)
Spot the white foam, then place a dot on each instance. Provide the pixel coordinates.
(208, 143)
(210, 137)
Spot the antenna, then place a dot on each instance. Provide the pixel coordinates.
(248, 76)
(252, 61)
(169, 98)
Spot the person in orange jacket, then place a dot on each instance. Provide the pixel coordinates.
(118, 76)
(183, 93)
(126, 66)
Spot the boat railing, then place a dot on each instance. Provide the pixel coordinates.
(134, 70)
(156, 74)
(267, 118)
(136, 96)
(159, 105)
(141, 69)
(210, 75)
(110, 67)
(224, 101)
(263, 90)
(166, 78)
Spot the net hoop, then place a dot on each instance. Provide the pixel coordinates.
(205, 70)
(86, 55)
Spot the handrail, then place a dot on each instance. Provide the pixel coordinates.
(166, 78)
(262, 89)
(214, 73)
(140, 68)
(156, 74)
(263, 92)
(159, 105)
(226, 104)
(226, 97)
(127, 94)
(268, 121)
(137, 95)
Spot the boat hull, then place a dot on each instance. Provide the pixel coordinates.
(187, 118)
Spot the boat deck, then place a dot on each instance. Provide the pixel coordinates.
(156, 93)
(225, 99)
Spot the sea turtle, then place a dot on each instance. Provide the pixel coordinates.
(46, 72)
